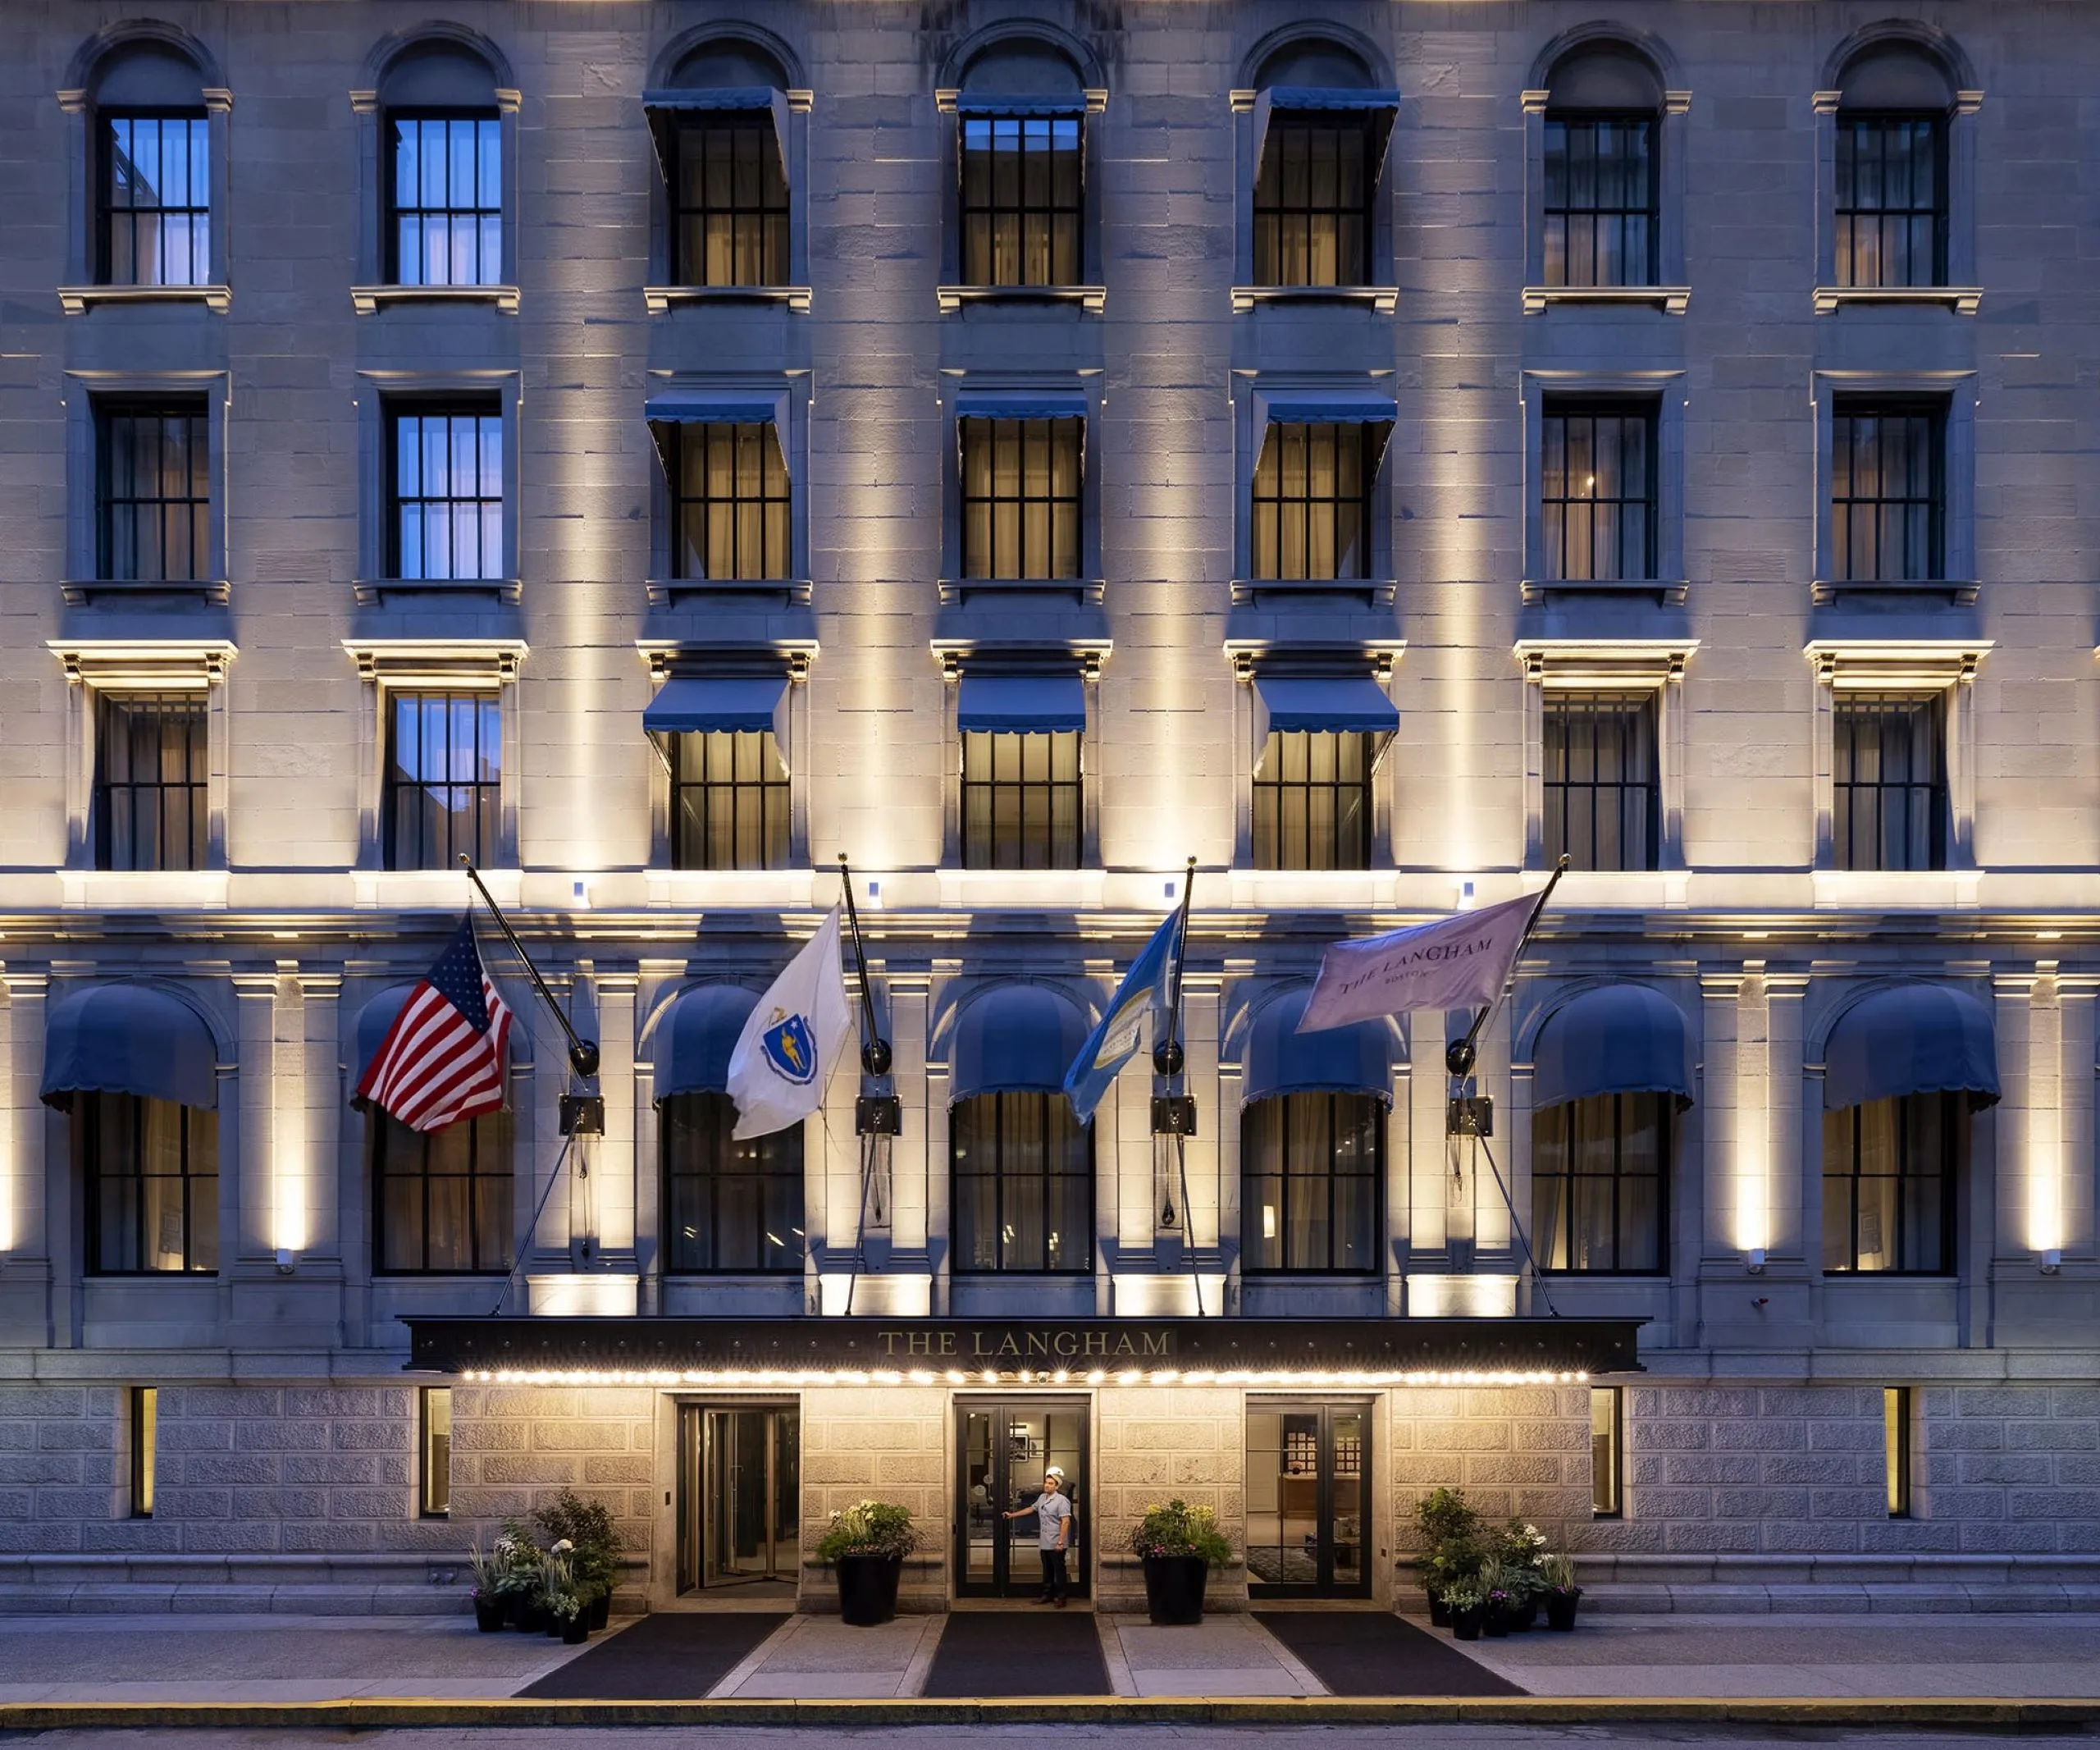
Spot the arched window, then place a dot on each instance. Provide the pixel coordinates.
(441, 134)
(1321, 130)
(1020, 141)
(728, 1205)
(1890, 213)
(1602, 174)
(720, 125)
(151, 140)
(443, 1200)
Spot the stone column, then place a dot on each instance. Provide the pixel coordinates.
(323, 1107)
(33, 1216)
(248, 1212)
(617, 1166)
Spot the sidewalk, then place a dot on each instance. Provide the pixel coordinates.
(1224, 1656)
(819, 1659)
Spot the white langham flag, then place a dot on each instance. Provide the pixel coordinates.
(1456, 962)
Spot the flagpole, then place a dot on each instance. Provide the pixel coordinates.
(582, 1052)
(874, 1049)
(1459, 1055)
(1166, 1056)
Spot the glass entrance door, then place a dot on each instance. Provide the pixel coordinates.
(739, 1490)
(1001, 1450)
(1308, 1500)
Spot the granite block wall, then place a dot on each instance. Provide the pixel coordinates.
(514, 1448)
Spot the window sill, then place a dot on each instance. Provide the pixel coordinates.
(144, 889)
(374, 591)
(77, 300)
(1385, 300)
(214, 591)
(666, 593)
(1669, 592)
(1672, 299)
(1016, 889)
(1878, 889)
(1089, 590)
(660, 298)
(1093, 299)
(1310, 890)
(1962, 299)
(367, 300)
(1960, 591)
(1379, 591)
(770, 889)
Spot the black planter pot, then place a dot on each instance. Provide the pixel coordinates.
(1523, 1617)
(867, 1588)
(1466, 1625)
(527, 1614)
(1495, 1622)
(489, 1615)
(1174, 1589)
(576, 1631)
(1440, 1612)
(1560, 1609)
(600, 1611)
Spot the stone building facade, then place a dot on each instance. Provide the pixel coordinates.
(1366, 449)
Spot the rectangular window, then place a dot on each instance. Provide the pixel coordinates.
(445, 225)
(435, 1488)
(1312, 800)
(155, 182)
(1020, 800)
(731, 502)
(1597, 492)
(730, 801)
(1889, 1172)
(730, 1206)
(444, 778)
(445, 510)
(1021, 182)
(152, 781)
(1600, 1184)
(1607, 1452)
(1895, 1449)
(1022, 1169)
(151, 1172)
(1312, 1166)
(729, 196)
(1021, 498)
(153, 492)
(145, 1430)
(1888, 493)
(1602, 791)
(1892, 200)
(444, 1196)
(1888, 802)
(1312, 498)
(1600, 200)
(1313, 202)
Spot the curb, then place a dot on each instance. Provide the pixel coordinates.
(411, 1712)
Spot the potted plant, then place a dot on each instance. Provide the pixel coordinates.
(594, 1534)
(1179, 1545)
(868, 1542)
(1468, 1606)
(1496, 1587)
(1452, 1562)
(518, 1577)
(489, 1607)
(1562, 1593)
(1522, 1547)
(1450, 1527)
(565, 1615)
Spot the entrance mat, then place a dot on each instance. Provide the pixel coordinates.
(1367, 1652)
(669, 1656)
(1004, 1652)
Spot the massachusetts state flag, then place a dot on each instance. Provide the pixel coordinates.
(443, 1058)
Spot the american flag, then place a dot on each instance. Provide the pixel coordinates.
(443, 1058)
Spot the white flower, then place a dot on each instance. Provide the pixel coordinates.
(564, 1547)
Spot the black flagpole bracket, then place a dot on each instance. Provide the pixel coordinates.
(582, 1052)
(873, 1114)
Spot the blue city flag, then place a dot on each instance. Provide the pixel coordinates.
(1114, 1041)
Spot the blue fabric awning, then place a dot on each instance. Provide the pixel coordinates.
(1331, 96)
(1021, 704)
(129, 1039)
(1332, 406)
(1379, 107)
(712, 703)
(1020, 403)
(725, 406)
(1619, 1039)
(1018, 1039)
(1332, 704)
(373, 1020)
(692, 1042)
(1337, 1060)
(1911, 1039)
(709, 97)
(973, 103)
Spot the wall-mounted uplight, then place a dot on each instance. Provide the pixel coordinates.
(1754, 1260)
(1465, 896)
(287, 1260)
(2051, 1261)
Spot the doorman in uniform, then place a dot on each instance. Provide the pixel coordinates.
(1053, 1527)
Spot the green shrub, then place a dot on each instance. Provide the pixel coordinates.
(593, 1536)
(1180, 1529)
(1445, 1515)
(869, 1527)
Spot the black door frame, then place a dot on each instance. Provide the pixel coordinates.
(1328, 1500)
(691, 1526)
(1007, 1582)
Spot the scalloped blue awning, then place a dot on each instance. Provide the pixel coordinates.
(714, 704)
(1018, 1039)
(1337, 1060)
(691, 1044)
(1021, 704)
(1618, 1039)
(129, 1039)
(1911, 1039)
(1021, 403)
(1325, 703)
